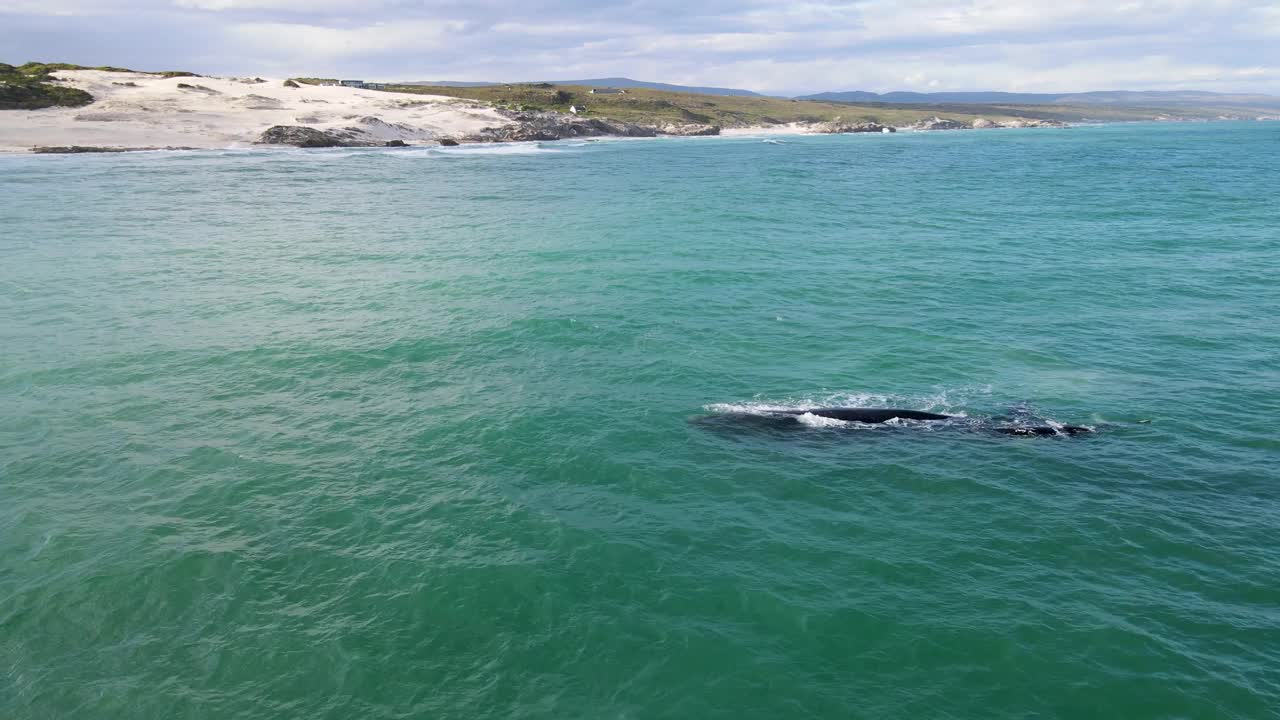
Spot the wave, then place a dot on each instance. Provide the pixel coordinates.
(495, 149)
(818, 421)
(945, 402)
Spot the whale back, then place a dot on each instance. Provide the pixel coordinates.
(869, 415)
(1042, 430)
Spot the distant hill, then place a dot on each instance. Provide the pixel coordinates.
(603, 82)
(1161, 98)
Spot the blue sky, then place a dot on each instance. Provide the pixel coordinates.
(766, 45)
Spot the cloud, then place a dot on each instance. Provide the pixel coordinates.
(768, 45)
(326, 43)
(310, 6)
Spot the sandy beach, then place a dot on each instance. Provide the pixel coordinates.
(140, 110)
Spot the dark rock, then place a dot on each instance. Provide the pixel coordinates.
(937, 123)
(558, 126)
(1032, 123)
(838, 127)
(447, 142)
(300, 136)
(397, 143)
(688, 129)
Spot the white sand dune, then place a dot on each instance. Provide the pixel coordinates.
(230, 112)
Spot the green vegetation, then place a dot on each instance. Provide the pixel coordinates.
(316, 81)
(30, 87)
(646, 106)
(39, 68)
(653, 107)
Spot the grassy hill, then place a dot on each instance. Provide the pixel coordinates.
(649, 106)
(653, 107)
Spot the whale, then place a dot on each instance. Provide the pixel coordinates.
(878, 416)
(867, 415)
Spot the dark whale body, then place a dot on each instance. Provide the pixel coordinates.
(868, 415)
(882, 415)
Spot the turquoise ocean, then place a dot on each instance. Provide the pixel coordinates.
(467, 432)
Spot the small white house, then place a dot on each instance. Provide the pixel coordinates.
(577, 110)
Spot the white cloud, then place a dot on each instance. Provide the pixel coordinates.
(933, 72)
(324, 43)
(771, 45)
(307, 6)
(1264, 20)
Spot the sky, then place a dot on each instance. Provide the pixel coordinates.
(773, 46)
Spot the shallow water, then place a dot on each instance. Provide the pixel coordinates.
(449, 434)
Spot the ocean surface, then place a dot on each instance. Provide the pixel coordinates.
(478, 433)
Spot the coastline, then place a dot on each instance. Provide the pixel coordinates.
(134, 111)
(140, 110)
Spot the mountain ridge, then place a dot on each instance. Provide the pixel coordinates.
(1162, 98)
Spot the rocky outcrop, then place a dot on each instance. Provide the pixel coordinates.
(1032, 123)
(303, 137)
(937, 123)
(557, 126)
(839, 127)
(688, 129)
(985, 124)
(370, 131)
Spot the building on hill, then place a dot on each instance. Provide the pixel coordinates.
(360, 85)
(608, 91)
